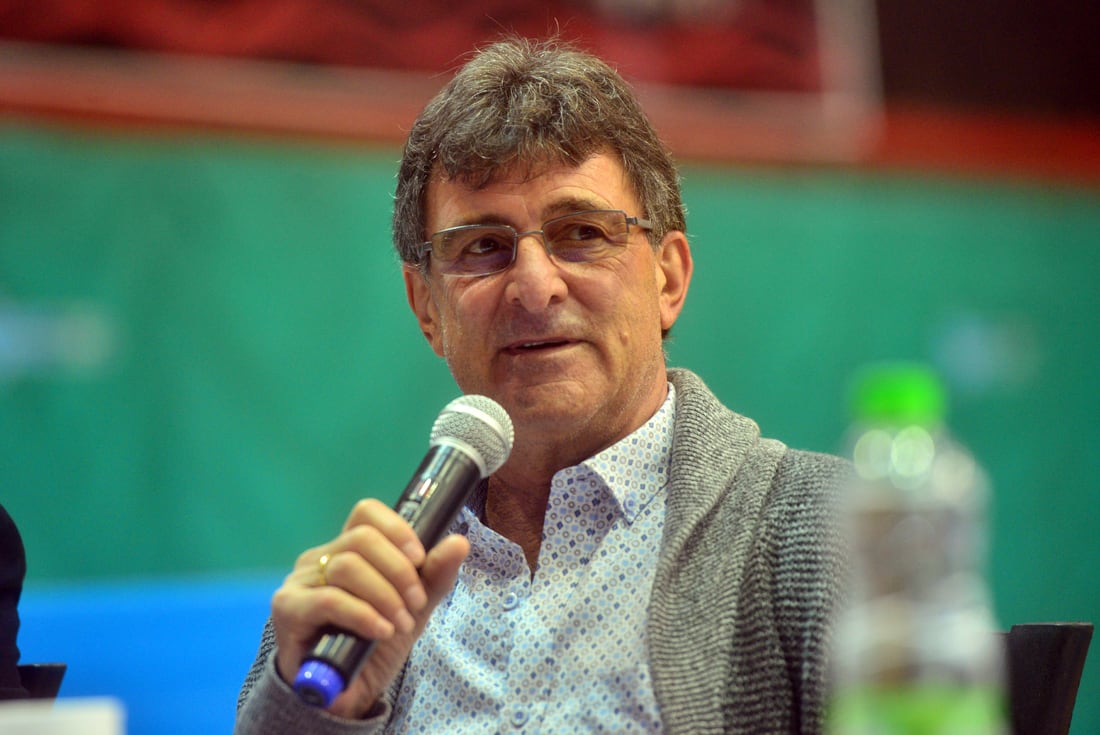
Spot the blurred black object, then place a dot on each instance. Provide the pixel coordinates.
(1045, 661)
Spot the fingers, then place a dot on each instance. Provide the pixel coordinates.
(439, 571)
(369, 568)
(370, 584)
(378, 515)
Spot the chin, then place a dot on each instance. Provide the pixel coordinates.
(556, 401)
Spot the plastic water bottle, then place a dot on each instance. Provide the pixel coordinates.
(915, 651)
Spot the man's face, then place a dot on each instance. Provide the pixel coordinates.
(571, 350)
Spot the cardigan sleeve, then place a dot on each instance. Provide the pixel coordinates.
(268, 706)
(810, 575)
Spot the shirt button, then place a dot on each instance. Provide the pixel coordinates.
(519, 718)
(511, 601)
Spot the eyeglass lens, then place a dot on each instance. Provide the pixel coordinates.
(574, 238)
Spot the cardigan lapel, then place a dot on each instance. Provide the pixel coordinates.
(721, 473)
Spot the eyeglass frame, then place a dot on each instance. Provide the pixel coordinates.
(424, 249)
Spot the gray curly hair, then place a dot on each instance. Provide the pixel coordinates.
(527, 103)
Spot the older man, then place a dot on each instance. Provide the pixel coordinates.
(644, 561)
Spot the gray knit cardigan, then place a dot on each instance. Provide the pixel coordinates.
(749, 576)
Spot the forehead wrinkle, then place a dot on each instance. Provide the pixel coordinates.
(571, 197)
(573, 203)
(556, 208)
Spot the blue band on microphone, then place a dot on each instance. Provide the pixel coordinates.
(318, 684)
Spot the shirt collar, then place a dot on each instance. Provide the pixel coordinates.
(634, 469)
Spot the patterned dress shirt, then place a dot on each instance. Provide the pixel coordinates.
(562, 650)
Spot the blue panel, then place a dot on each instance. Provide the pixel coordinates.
(173, 651)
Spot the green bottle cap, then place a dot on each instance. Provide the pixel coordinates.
(898, 393)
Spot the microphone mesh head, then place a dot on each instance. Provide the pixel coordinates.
(477, 424)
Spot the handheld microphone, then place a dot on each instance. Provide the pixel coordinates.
(470, 440)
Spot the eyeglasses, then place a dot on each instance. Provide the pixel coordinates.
(580, 237)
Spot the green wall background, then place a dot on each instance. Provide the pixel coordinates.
(262, 370)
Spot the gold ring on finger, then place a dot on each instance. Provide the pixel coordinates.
(321, 564)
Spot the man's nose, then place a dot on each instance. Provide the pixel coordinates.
(534, 280)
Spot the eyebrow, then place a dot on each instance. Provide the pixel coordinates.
(572, 204)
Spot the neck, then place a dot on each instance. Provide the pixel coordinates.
(515, 503)
(517, 513)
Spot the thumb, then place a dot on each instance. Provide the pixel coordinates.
(440, 568)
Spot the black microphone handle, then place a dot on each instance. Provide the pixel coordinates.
(438, 489)
(429, 504)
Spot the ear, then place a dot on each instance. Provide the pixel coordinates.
(419, 293)
(674, 267)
